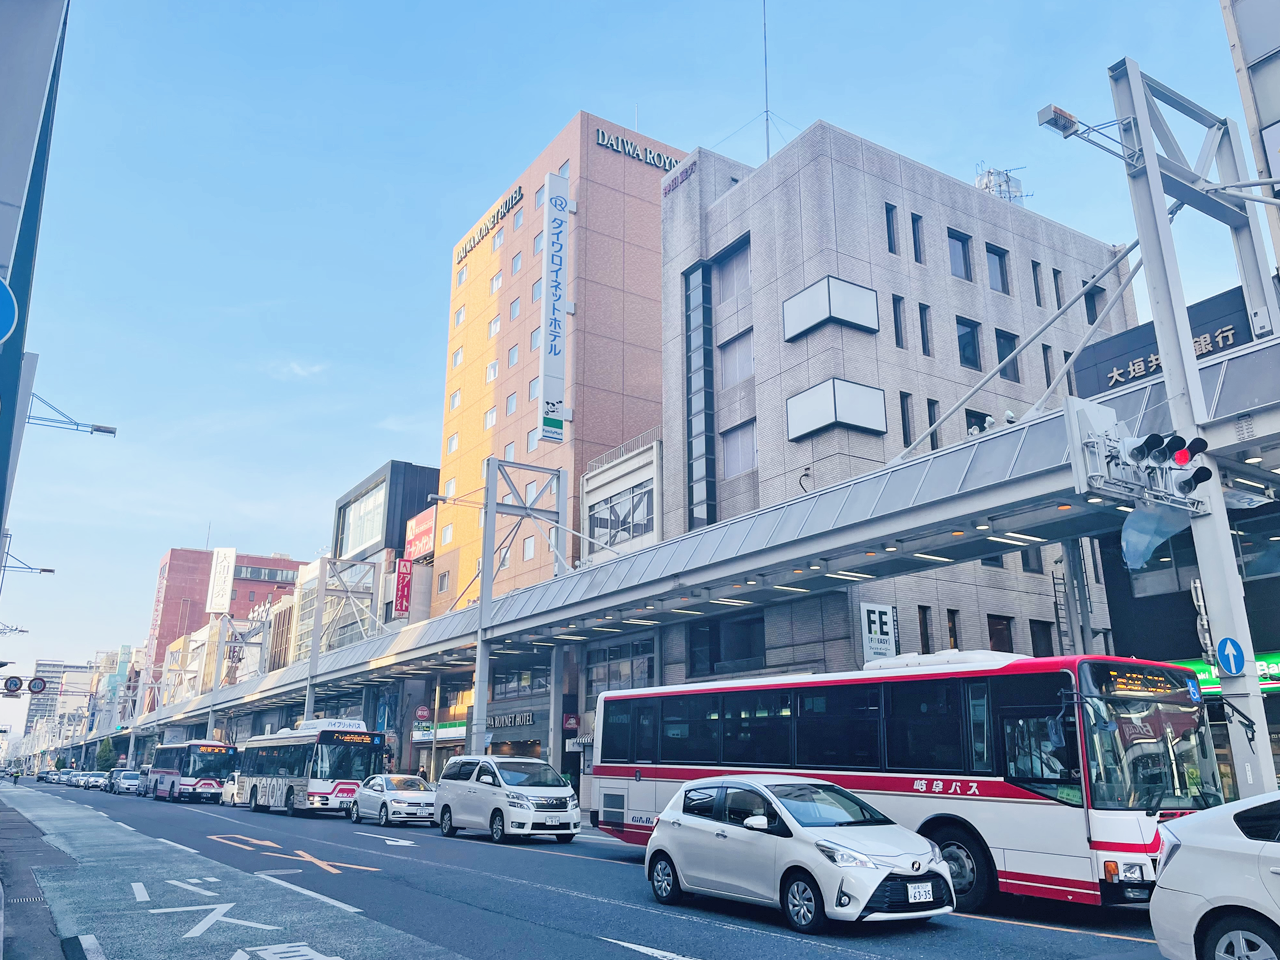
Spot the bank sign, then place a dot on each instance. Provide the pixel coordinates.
(555, 301)
(635, 151)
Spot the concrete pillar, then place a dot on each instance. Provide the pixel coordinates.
(435, 730)
(480, 712)
(555, 733)
(133, 742)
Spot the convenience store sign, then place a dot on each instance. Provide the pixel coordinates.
(1207, 674)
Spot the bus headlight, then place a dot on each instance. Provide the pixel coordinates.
(1131, 871)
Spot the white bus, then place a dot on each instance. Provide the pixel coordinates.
(981, 752)
(316, 767)
(193, 770)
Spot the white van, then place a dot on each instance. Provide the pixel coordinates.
(508, 796)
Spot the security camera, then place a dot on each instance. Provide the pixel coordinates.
(1009, 417)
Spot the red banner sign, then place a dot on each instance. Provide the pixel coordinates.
(420, 535)
(404, 587)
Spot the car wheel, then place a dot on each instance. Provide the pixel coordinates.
(384, 818)
(498, 827)
(289, 808)
(564, 838)
(1241, 936)
(354, 812)
(447, 829)
(664, 882)
(970, 866)
(802, 903)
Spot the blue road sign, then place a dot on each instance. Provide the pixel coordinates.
(1193, 688)
(1230, 657)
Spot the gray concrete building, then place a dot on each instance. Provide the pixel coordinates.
(819, 312)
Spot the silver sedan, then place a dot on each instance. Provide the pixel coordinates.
(394, 798)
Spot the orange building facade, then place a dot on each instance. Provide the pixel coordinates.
(613, 375)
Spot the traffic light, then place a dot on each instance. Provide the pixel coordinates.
(1171, 448)
(1138, 450)
(1186, 481)
(1196, 447)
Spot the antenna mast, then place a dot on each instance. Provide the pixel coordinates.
(764, 20)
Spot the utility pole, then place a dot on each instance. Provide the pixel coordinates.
(764, 22)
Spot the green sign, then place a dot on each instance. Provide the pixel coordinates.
(449, 730)
(1207, 674)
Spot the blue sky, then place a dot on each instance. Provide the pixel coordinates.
(244, 261)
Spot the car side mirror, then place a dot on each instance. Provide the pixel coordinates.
(485, 778)
(756, 823)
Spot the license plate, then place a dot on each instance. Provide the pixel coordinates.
(919, 892)
(343, 804)
(552, 821)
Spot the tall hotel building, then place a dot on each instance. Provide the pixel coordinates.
(613, 381)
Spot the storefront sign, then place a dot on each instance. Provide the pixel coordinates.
(635, 151)
(489, 223)
(423, 712)
(1268, 665)
(221, 576)
(685, 174)
(879, 632)
(423, 732)
(404, 588)
(555, 300)
(420, 535)
(570, 722)
(510, 720)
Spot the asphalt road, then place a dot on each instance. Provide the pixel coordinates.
(536, 900)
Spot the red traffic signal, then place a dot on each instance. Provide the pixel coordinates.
(1196, 447)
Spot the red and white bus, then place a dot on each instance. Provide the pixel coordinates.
(317, 767)
(193, 770)
(979, 751)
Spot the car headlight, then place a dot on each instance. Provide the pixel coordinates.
(398, 803)
(1169, 846)
(1131, 871)
(519, 800)
(843, 856)
(573, 803)
(936, 851)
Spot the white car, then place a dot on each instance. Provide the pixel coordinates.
(1217, 889)
(94, 781)
(508, 797)
(808, 847)
(394, 798)
(228, 796)
(126, 782)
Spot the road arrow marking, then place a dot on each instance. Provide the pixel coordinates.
(649, 951)
(270, 875)
(188, 886)
(389, 841)
(217, 913)
(140, 892)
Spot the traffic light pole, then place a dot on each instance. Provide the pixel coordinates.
(1223, 587)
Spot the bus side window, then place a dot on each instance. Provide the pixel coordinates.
(615, 744)
(979, 728)
(646, 724)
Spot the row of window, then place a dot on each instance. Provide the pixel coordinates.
(623, 517)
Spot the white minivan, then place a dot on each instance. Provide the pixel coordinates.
(508, 797)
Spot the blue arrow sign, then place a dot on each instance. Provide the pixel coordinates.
(8, 312)
(1230, 657)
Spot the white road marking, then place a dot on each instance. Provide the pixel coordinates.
(212, 880)
(125, 825)
(216, 913)
(140, 892)
(187, 886)
(267, 875)
(650, 951)
(193, 880)
(178, 845)
(390, 841)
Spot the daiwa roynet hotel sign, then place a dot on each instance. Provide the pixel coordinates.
(654, 158)
(489, 223)
(555, 304)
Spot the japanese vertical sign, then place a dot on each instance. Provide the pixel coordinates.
(879, 632)
(555, 298)
(404, 588)
(221, 575)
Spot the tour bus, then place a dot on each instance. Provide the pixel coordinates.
(318, 766)
(189, 771)
(979, 751)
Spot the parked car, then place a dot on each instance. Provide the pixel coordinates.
(127, 782)
(394, 798)
(112, 776)
(44, 776)
(228, 796)
(144, 779)
(75, 777)
(507, 796)
(94, 780)
(1217, 888)
(806, 846)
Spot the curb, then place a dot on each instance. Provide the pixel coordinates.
(84, 947)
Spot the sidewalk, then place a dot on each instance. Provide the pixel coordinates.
(29, 930)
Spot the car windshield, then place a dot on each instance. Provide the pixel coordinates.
(128, 776)
(825, 805)
(1148, 739)
(529, 773)
(406, 783)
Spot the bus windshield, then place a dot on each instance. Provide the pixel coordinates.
(210, 762)
(1148, 739)
(343, 761)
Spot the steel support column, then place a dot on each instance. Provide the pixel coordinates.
(555, 724)
(317, 635)
(480, 712)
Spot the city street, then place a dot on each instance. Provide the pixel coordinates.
(361, 892)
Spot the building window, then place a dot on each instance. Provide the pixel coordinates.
(511, 404)
(1032, 560)
(1041, 638)
(958, 246)
(953, 629)
(1035, 283)
(1046, 354)
(1093, 301)
(497, 239)
(450, 486)
(725, 647)
(495, 282)
(446, 534)
(234, 593)
(531, 440)
(1097, 560)
(535, 339)
(528, 548)
(1000, 632)
(509, 452)
(540, 197)
(490, 417)
(462, 275)
(737, 360)
(452, 445)
(1057, 288)
(494, 326)
(926, 334)
(442, 583)
(733, 275)
(891, 227)
(899, 332)
(925, 616)
(517, 221)
(932, 407)
(504, 558)
(459, 315)
(455, 399)
(998, 269)
(904, 410)
(530, 491)
(535, 386)
(996, 561)
(1006, 343)
(976, 422)
(970, 348)
(537, 290)
(537, 243)
(513, 356)
(484, 473)
(457, 357)
(739, 449)
(564, 169)
(917, 237)
(1071, 378)
(700, 416)
(491, 371)
(516, 261)
(515, 308)
(622, 667)
(623, 517)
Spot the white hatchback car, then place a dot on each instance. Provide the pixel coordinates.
(508, 797)
(807, 846)
(394, 798)
(1217, 889)
(227, 798)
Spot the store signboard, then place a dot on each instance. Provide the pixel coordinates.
(420, 534)
(879, 631)
(449, 730)
(221, 577)
(1268, 672)
(555, 304)
(404, 588)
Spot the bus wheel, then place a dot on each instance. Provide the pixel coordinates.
(173, 792)
(971, 872)
(254, 806)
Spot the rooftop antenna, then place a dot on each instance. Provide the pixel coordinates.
(637, 118)
(764, 20)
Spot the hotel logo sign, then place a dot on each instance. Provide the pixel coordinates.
(555, 301)
(510, 720)
(489, 223)
(634, 150)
